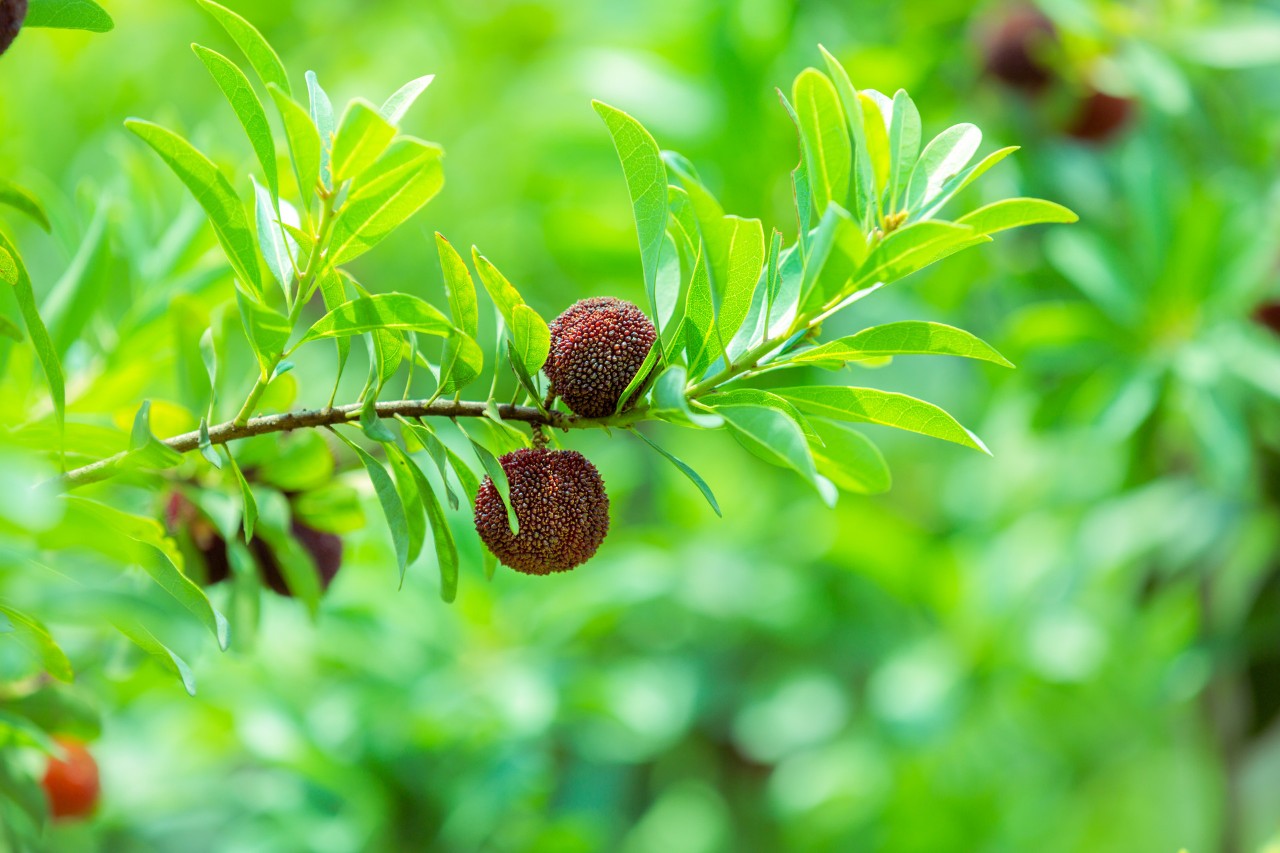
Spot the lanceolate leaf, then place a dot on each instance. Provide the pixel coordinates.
(395, 311)
(141, 637)
(1013, 213)
(389, 498)
(239, 93)
(943, 158)
(825, 137)
(746, 260)
(701, 346)
(167, 573)
(848, 458)
(904, 144)
(250, 503)
(774, 437)
(14, 272)
(268, 331)
(670, 403)
(68, 15)
(459, 286)
(21, 200)
(212, 189)
(910, 337)
(304, 140)
(529, 332)
(262, 56)
(488, 456)
(870, 405)
(361, 138)
(646, 184)
(322, 117)
(446, 548)
(37, 638)
(801, 183)
(398, 104)
(403, 469)
(684, 469)
(766, 399)
(367, 220)
(278, 247)
(864, 197)
(962, 180)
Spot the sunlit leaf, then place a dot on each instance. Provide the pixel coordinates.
(261, 55)
(870, 405)
(684, 469)
(68, 15)
(244, 101)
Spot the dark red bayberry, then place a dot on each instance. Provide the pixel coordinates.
(560, 503)
(12, 14)
(1015, 49)
(597, 346)
(1100, 116)
(1268, 314)
(71, 782)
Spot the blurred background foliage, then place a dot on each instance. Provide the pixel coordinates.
(1072, 646)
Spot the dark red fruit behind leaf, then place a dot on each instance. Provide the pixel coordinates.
(561, 504)
(1268, 314)
(325, 550)
(71, 782)
(12, 14)
(1014, 49)
(597, 345)
(1100, 116)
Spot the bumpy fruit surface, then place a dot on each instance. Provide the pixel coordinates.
(71, 782)
(597, 346)
(12, 14)
(560, 502)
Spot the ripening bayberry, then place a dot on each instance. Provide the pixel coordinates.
(1100, 116)
(597, 346)
(560, 503)
(1015, 49)
(71, 782)
(325, 550)
(12, 14)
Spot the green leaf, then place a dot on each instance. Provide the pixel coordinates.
(165, 656)
(646, 184)
(23, 201)
(335, 295)
(774, 437)
(848, 458)
(268, 331)
(801, 184)
(166, 573)
(904, 144)
(386, 352)
(913, 248)
(322, 118)
(643, 375)
(759, 398)
(14, 272)
(529, 332)
(250, 515)
(297, 566)
(824, 137)
(670, 404)
(462, 362)
(964, 179)
(870, 405)
(214, 193)
(527, 382)
(389, 498)
(206, 446)
(684, 469)
(145, 450)
(459, 287)
(745, 262)
(821, 242)
(910, 337)
(68, 15)
(445, 459)
(493, 467)
(942, 159)
(244, 101)
(362, 137)
(391, 311)
(279, 249)
(1015, 212)
(876, 115)
(446, 548)
(368, 219)
(372, 424)
(261, 55)
(30, 633)
(395, 107)
(700, 346)
(304, 140)
(10, 330)
(407, 477)
(864, 199)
